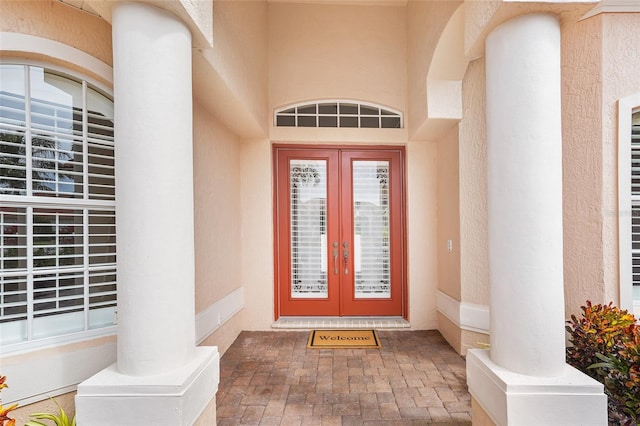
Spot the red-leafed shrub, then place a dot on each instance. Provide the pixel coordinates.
(605, 344)
(5, 420)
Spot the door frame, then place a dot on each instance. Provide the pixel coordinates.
(403, 212)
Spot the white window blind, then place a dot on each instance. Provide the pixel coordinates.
(308, 212)
(371, 229)
(57, 205)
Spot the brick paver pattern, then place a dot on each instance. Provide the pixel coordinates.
(271, 378)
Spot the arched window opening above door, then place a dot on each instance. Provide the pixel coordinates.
(345, 114)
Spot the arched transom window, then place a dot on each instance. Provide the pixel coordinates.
(348, 114)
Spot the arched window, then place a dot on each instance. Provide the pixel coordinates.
(57, 205)
(347, 114)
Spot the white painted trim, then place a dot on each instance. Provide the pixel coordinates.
(56, 341)
(15, 42)
(614, 6)
(211, 318)
(448, 306)
(467, 316)
(474, 317)
(37, 377)
(625, 109)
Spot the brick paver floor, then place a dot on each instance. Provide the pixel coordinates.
(271, 378)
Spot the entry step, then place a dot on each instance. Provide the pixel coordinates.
(306, 323)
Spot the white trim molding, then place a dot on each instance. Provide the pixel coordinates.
(211, 318)
(37, 376)
(626, 106)
(614, 6)
(467, 316)
(56, 341)
(15, 42)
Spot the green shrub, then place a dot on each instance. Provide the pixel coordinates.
(620, 373)
(60, 419)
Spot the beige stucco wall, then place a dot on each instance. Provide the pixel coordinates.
(56, 21)
(218, 239)
(582, 162)
(474, 268)
(257, 234)
(448, 205)
(425, 22)
(422, 233)
(621, 78)
(599, 66)
(331, 51)
(239, 53)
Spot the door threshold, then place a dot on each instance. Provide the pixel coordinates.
(307, 323)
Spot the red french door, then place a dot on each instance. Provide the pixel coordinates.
(339, 236)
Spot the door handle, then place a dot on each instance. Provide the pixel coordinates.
(345, 255)
(335, 258)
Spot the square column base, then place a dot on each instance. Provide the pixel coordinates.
(176, 398)
(516, 399)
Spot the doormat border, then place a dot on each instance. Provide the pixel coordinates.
(344, 344)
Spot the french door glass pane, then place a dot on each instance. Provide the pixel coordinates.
(308, 210)
(371, 229)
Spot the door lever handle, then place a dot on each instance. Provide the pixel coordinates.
(345, 255)
(335, 258)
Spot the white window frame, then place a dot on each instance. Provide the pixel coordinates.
(19, 48)
(84, 204)
(388, 113)
(626, 107)
(73, 357)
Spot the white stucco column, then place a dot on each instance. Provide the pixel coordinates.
(524, 175)
(154, 189)
(161, 377)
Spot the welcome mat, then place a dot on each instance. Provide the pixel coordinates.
(348, 339)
